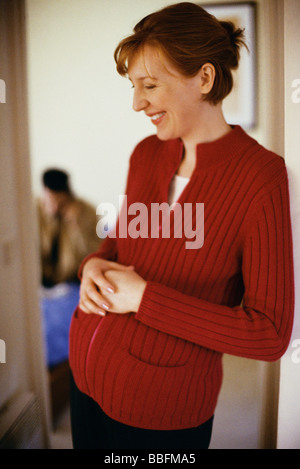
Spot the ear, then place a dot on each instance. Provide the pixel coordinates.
(207, 74)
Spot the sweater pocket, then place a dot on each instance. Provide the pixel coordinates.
(156, 348)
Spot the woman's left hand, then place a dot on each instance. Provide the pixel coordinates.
(129, 289)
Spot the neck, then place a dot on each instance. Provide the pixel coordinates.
(212, 126)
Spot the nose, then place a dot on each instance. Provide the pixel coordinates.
(139, 101)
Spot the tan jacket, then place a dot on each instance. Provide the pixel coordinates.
(76, 238)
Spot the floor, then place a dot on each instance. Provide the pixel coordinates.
(60, 437)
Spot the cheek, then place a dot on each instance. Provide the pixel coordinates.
(182, 115)
(182, 104)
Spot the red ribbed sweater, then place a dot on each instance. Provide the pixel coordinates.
(161, 367)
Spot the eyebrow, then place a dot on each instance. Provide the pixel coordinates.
(144, 78)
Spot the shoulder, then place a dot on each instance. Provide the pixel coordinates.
(152, 154)
(84, 206)
(147, 146)
(262, 167)
(148, 143)
(264, 185)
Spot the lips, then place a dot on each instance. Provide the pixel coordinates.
(157, 118)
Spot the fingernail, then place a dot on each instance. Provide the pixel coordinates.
(111, 290)
(101, 313)
(105, 306)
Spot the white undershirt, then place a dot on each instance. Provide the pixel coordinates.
(177, 186)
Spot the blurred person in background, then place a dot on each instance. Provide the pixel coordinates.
(67, 229)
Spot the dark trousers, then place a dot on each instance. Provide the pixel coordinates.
(93, 429)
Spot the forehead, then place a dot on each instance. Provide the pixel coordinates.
(150, 62)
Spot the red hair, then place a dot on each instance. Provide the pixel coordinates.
(189, 37)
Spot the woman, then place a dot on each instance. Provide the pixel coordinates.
(154, 317)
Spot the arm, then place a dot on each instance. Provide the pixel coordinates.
(260, 329)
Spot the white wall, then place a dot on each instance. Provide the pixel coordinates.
(81, 119)
(80, 109)
(289, 408)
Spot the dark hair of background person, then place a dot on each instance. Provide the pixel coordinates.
(56, 180)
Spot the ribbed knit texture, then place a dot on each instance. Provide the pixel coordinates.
(161, 367)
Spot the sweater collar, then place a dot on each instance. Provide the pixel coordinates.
(216, 152)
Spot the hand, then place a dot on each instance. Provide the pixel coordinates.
(94, 285)
(129, 289)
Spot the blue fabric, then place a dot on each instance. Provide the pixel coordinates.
(58, 304)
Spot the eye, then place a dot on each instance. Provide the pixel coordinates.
(150, 87)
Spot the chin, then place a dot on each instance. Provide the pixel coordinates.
(164, 136)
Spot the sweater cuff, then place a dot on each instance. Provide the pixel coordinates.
(155, 300)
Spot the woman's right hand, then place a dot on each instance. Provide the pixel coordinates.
(93, 283)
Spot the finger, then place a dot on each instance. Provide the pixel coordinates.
(90, 307)
(102, 283)
(93, 293)
(91, 299)
(105, 283)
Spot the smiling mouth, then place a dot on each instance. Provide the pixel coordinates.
(157, 118)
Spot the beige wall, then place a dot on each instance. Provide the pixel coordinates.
(81, 119)
(289, 408)
(23, 394)
(80, 109)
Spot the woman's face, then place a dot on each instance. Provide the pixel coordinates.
(171, 100)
